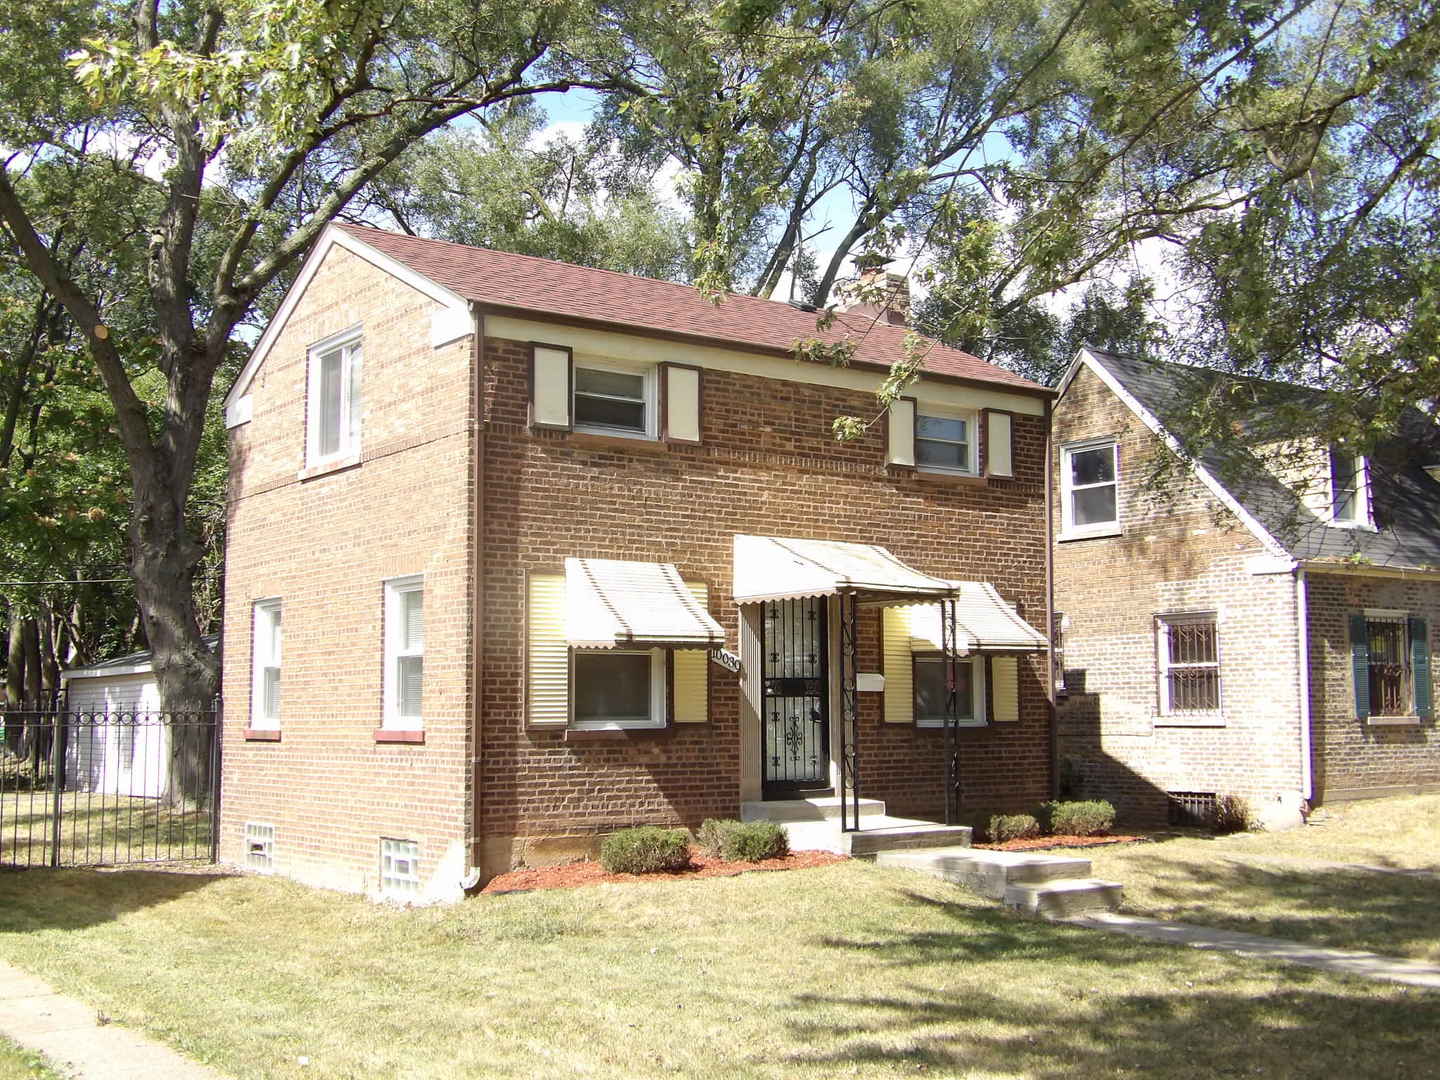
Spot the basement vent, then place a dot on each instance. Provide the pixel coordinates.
(399, 867)
(1192, 808)
(259, 846)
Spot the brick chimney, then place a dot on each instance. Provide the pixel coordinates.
(877, 292)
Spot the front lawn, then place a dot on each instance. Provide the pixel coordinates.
(847, 970)
(17, 1063)
(1278, 883)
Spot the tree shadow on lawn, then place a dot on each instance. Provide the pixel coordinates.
(77, 899)
(1391, 914)
(1063, 1002)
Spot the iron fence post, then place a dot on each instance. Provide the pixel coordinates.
(57, 781)
(215, 780)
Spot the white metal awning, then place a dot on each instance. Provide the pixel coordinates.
(984, 622)
(612, 604)
(772, 568)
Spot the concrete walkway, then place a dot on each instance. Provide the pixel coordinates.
(69, 1034)
(1365, 965)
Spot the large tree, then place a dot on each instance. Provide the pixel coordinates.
(237, 129)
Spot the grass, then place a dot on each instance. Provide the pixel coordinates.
(847, 970)
(17, 1063)
(99, 829)
(1279, 883)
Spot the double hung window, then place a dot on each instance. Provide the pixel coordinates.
(613, 401)
(334, 399)
(945, 443)
(1089, 478)
(265, 688)
(1189, 664)
(404, 652)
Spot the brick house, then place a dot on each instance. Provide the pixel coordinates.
(558, 550)
(1262, 629)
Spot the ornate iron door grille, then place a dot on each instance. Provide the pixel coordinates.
(796, 726)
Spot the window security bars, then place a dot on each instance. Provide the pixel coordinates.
(84, 788)
(1389, 666)
(1192, 665)
(1191, 808)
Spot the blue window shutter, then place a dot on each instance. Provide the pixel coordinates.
(1420, 665)
(1360, 662)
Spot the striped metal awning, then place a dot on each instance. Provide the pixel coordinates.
(613, 604)
(984, 622)
(773, 568)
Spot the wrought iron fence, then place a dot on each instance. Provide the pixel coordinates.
(107, 788)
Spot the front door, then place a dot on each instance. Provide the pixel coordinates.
(795, 725)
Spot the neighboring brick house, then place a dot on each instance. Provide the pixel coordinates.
(518, 521)
(1260, 626)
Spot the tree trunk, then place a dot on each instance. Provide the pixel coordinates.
(49, 665)
(15, 661)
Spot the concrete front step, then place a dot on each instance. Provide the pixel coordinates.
(989, 873)
(826, 808)
(1065, 898)
(878, 832)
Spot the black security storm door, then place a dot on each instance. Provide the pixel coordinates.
(795, 726)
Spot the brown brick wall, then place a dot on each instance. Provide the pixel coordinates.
(1178, 554)
(324, 546)
(1351, 757)
(768, 465)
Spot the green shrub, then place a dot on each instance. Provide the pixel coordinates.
(743, 841)
(1093, 818)
(1005, 827)
(646, 849)
(1232, 814)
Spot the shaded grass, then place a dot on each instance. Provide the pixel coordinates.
(848, 970)
(1280, 883)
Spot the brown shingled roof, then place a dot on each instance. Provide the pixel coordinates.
(546, 287)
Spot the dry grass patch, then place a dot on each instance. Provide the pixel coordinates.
(847, 970)
(1285, 883)
(17, 1063)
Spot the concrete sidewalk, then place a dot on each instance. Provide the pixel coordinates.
(68, 1033)
(1365, 965)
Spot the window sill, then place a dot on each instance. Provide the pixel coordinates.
(262, 734)
(1392, 721)
(964, 724)
(1189, 720)
(1066, 537)
(588, 735)
(642, 444)
(328, 466)
(399, 735)
(954, 479)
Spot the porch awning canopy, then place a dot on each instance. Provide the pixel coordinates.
(772, 568)
(984, 622)
(612, 604)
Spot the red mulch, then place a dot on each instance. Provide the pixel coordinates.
(1040, 842)
(573, 875)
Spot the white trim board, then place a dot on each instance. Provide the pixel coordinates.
(452, 321)
(1151, 421)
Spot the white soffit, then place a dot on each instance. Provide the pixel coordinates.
(774, 568)
(450, 322)
(613, 604)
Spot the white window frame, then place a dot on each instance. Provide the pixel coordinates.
(972, 427)
(1067, 489)
(1163, 623)
(1401, 616)
(1362, 518)
(350, 345)
(267, 650)
(395, 589)
(977, 683)
(648, 374)
(392, 882)
(658, 693)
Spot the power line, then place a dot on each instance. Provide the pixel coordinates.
(68, 581)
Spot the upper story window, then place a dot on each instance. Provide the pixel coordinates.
(945, 443)
(1090, 489)
(404, 651)
(333, 423)
(265, 690)
(614, 401)
(1349, 488)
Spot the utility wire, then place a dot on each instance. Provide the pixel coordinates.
(68, 581)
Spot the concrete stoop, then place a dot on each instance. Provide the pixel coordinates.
(1052, 886)
(814, 825)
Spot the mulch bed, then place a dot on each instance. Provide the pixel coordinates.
(573, 875)
(1039, 843)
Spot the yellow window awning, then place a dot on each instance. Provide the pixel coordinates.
(613, 604)
(772, 568)
(984, 622)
